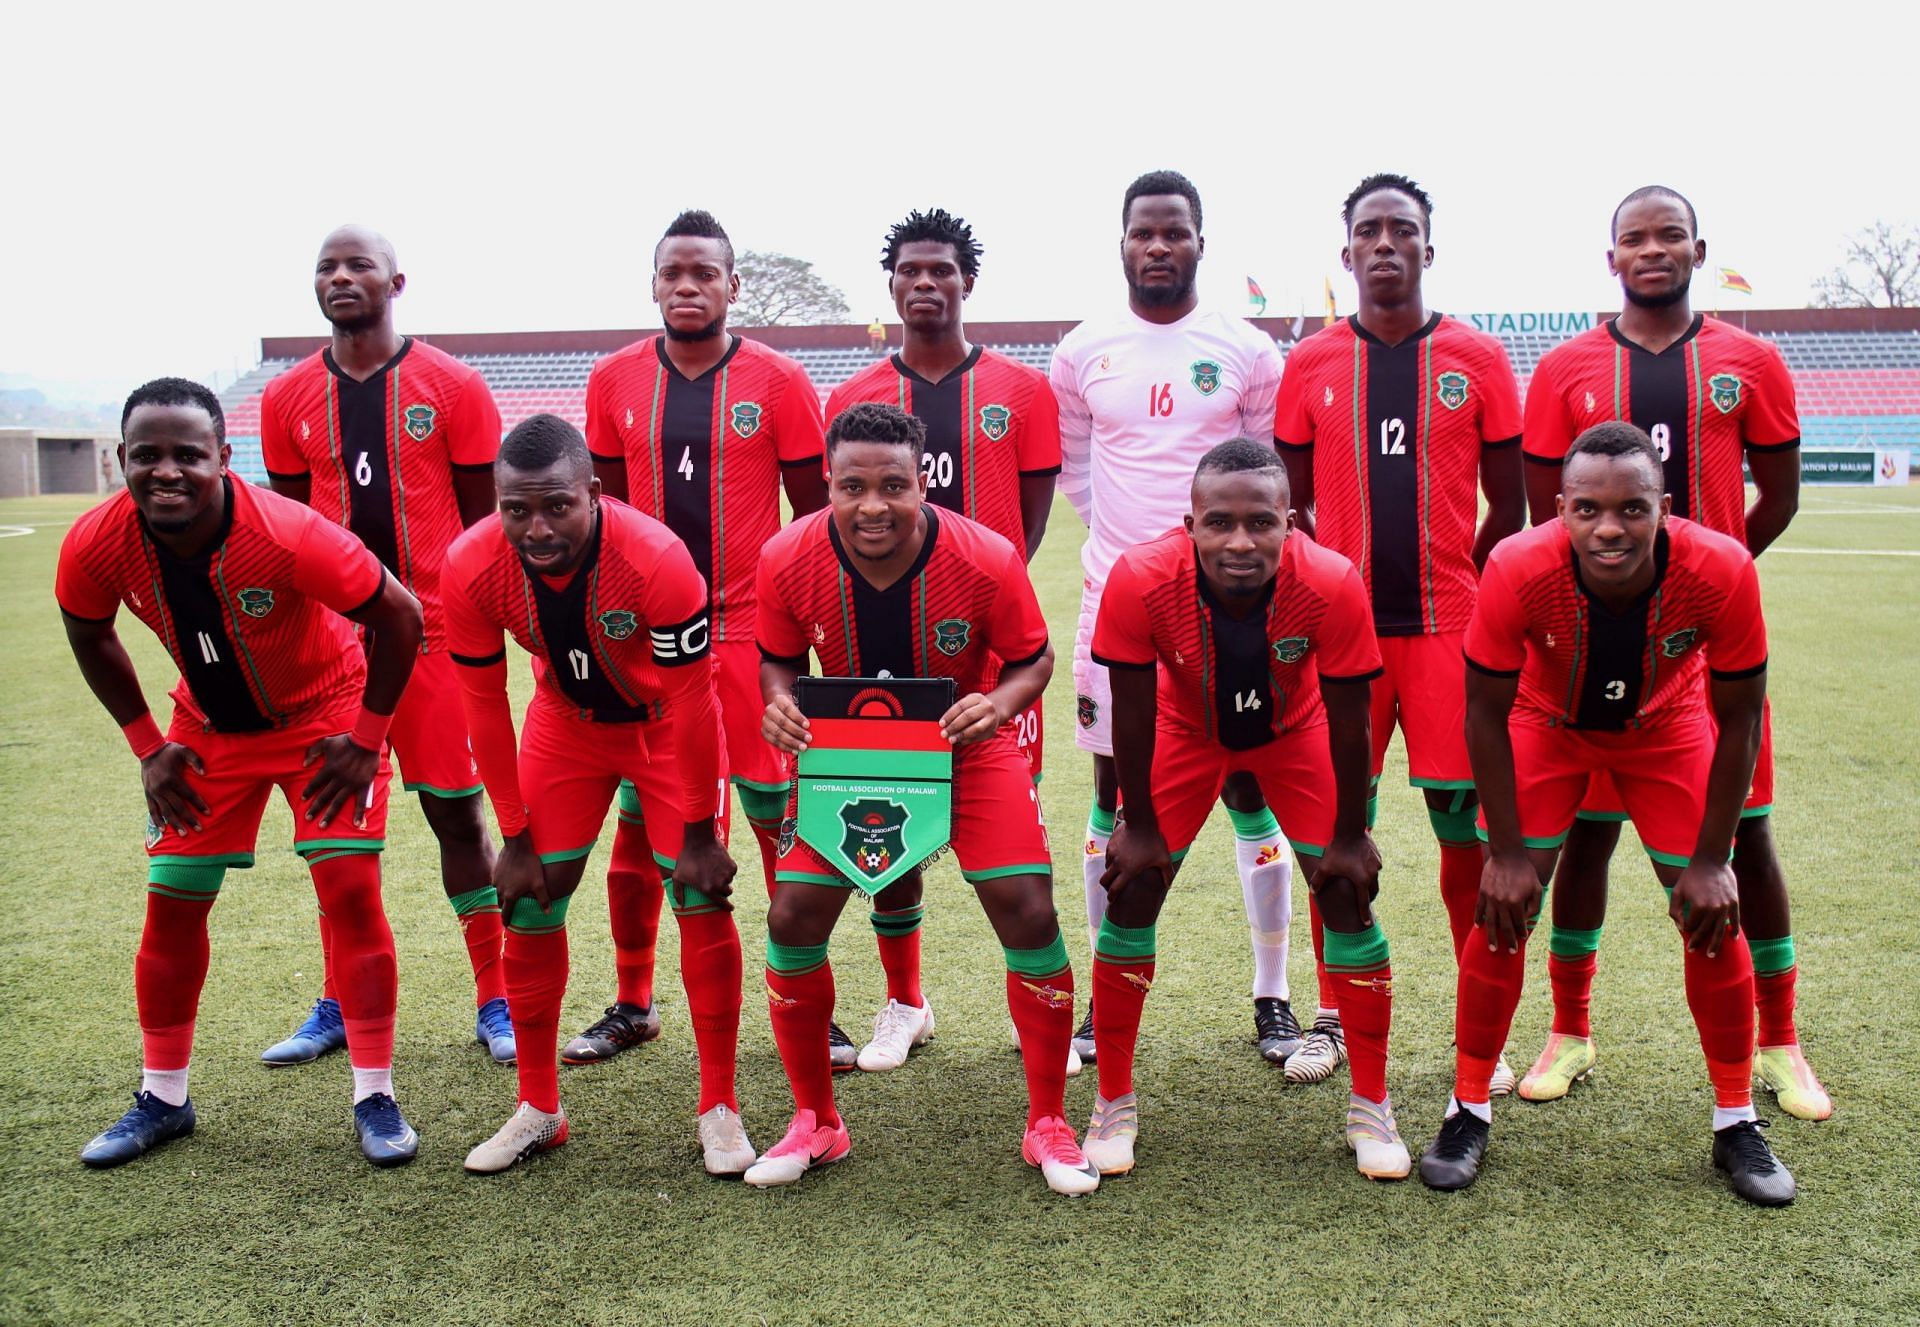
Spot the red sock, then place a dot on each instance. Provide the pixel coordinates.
(1460, 889)
(1366, 1016)
(1572, 982)
(800, 1005)
(1328, 1000)
(1774, 997)
(536, 984)
(326, 959)
(168, 972)
(1489, 992)
(900, 953)
(634, 895)
(1720, 994)
(766, 836)
(1042, 1009)
(710, 972)
(1119, 994)
(486, 937)
(364, 967)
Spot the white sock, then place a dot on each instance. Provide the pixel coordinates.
(1092, 864)
(366, 1082)
(1484, 1109)
(1266, 888)
(170, 1085)
(1724, 1117)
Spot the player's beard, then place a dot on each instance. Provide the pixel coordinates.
(1664, 299)
(706, 333)
(355, 324)
(1163, 297)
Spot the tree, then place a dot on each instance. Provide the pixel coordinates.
(778, 289)
(1882, 270)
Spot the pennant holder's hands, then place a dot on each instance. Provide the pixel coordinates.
(519, 873)
(171, 800)
(1706, 906)
(346, 774)
(1355, 860)
(1136, 849)
(1510, 894)
(784, 725)
(972, 718)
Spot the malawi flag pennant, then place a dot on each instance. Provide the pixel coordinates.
(1732, 280)
(1256, 297)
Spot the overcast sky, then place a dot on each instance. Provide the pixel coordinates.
(174, 167)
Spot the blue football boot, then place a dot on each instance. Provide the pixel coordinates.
(150, 1123)
(323, 1031)
(386, 1139)
(493, 1028)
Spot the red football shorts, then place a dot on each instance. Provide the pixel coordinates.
(1602, 801)
(1660, 774)
(429, 732)
(1424, 690)
(736, 679)
(571, 767)
(1030, 735)
(243, 769)
(1294, 770)
(998, 829)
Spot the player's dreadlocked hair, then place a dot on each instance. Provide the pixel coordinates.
(175, 391)
(938, 226)
(1239, 454)
(1380, 183)
(1616, 437)
(873, 421)
(1156, 183)
(1656, 191)
(699, 224)
(539, 441)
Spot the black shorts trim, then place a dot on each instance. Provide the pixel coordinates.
(1494, 444)
(1299, 448)
(479, 661)
(1030, 660)
(483, 468)
(1787, 446)
(1047, 473)
(298, 476)
(1738, 674)
(1479, 667)
(815, 460)
(1353, 677)
(1538, 459)
(371, 599)
(797, 662)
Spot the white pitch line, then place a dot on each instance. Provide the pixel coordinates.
(14, 531)
(1852, 552)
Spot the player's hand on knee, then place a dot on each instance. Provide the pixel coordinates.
(1706, 906)
(171, 800)
(518, 873)
(705, 866)
(1356, 861)
(345, 777)
(1510, 893)
(972, 719)
(1134, 851)
(785, 726)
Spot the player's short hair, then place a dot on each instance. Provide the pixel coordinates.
(938, 226)
(1656, 191)
(1617, 437)
(875, 421)
(1157, 183)
(1381, 183)
(175, 391)
(1237, 455)
(540, 441)
(699, 224)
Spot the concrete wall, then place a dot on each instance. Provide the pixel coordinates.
(34, 461)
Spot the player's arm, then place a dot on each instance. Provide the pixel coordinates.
(349, 761)
(1017, 632)
(287, 470)
(1776, 479)
(683, 652)
(1706, 898)
(783, 657)
(977, 717)
(1137, 850)
(800, 441)
(1510, 887)
(1351, 856)
(604, 443)
(806, 485)
(1546, 433)
(1076, 439)
(110, 675)
(1502, 480)
(1299, 463)
(1037, 456)
(1293, 436)
(1036, 504)
(472, 449)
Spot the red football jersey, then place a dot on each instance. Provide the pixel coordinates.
(1396, 434)
(964, 604)
(1240, 682)
(704, 454)
(989, 422)
(1582, 665)
(380, 454)
(251, 621)
(1712, 395)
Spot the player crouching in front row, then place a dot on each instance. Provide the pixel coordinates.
(609, 600)
(1263, 647)
(1622, 640)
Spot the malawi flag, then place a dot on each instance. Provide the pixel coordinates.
(1256, 297)
(1732, 280)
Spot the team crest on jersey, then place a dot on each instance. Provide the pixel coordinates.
(1291, 649)
(746, 418)
(1451, 388)
(255, 602)
(950, 635)
(1726, 392)
(1327, 397)
(1206, 376)
(419, 422)
(1089, 711)
(788, 828)
(306, 430)
(1591, 403)
(995, 420)
(1675, 645)
(619, 623)
(876, 833)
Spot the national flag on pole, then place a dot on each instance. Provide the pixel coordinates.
(1732, 280)
(1333, 312)
(1256, 298)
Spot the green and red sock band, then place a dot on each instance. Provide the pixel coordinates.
(1100, 820)
(475, 901)
(904, 922)
(1565, 942)
(1772, 957)
(1356, 951)
(796, 960)
(1047, 961)
(1254, 826)
(685, 900)
(527, 919)
(1125, 944)
(192, 877)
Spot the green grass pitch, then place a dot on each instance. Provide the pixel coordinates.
(1245, 1206)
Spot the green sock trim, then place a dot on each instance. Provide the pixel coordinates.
(1100, 820)
(1771, 957)
(1455, 826)
(475, 900)
(904, 922)
(1373, 800)
(177, 878)
(628, 800)
(1565, 942)
(795, 960)
(527, 918)
(1356, 951)
(328, 854)
(686, 900)
(1048, 961)
(762, 803)
(1125, 944)
(336, 847)
(1254, 826)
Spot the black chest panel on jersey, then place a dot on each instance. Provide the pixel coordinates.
(571, 658)
(686, 457)
(1393, 489)
(366, 454)
(942, 407)
(1616, 660)
(207, 654)
(1657, 400)
(883, 619)
(1245, 708)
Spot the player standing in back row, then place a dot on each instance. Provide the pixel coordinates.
(1144, 394)
(1711, 396)
(1389, 422)
(700, 429)
(395, 440)
(992, 452)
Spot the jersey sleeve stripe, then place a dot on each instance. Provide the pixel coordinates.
(1030, 660)
(803, 462)
(607, 460)
(1281, 444)
(481, 468)
(1738, 674)
(1537, 459)
(91, 621)
(796, 661)
(1479, 667)
(1354, 677)
(476, 661)
(290, 476)
(1129, 664)
(371, 599)
(1786, 446)
(1492, 443)
(1040, 474)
